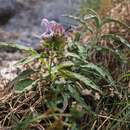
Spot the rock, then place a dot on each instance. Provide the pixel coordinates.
(7, 10)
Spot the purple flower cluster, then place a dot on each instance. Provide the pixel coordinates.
(51, 28)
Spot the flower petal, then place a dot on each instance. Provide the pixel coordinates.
(45, 24)
(51, 28)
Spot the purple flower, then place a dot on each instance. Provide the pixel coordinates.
(51, 28)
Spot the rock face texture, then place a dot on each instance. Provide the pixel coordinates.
(7, 10)
(23, 17)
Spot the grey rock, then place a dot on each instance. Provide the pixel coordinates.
(7, 10)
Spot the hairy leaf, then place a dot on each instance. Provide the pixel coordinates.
(88, 82)
(105, 74)
(23, 85)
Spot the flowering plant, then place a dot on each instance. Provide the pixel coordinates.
(51, 29)
(66, 86)
(53, 37)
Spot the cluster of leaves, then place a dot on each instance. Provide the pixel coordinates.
(76, 93)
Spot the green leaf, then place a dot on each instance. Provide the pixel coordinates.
(65, 64)
(23, 124)
(105, 74)
(116, 38)
(17, 46)
(25, 74)
(80, 55)
(61, 66)
(88, 82)
(65, 102)
(23, 85)
(22, 81)
(76, 114)
(69, 54)
(55, 70)
(28, 59)
(95, 17)
(76, 95)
